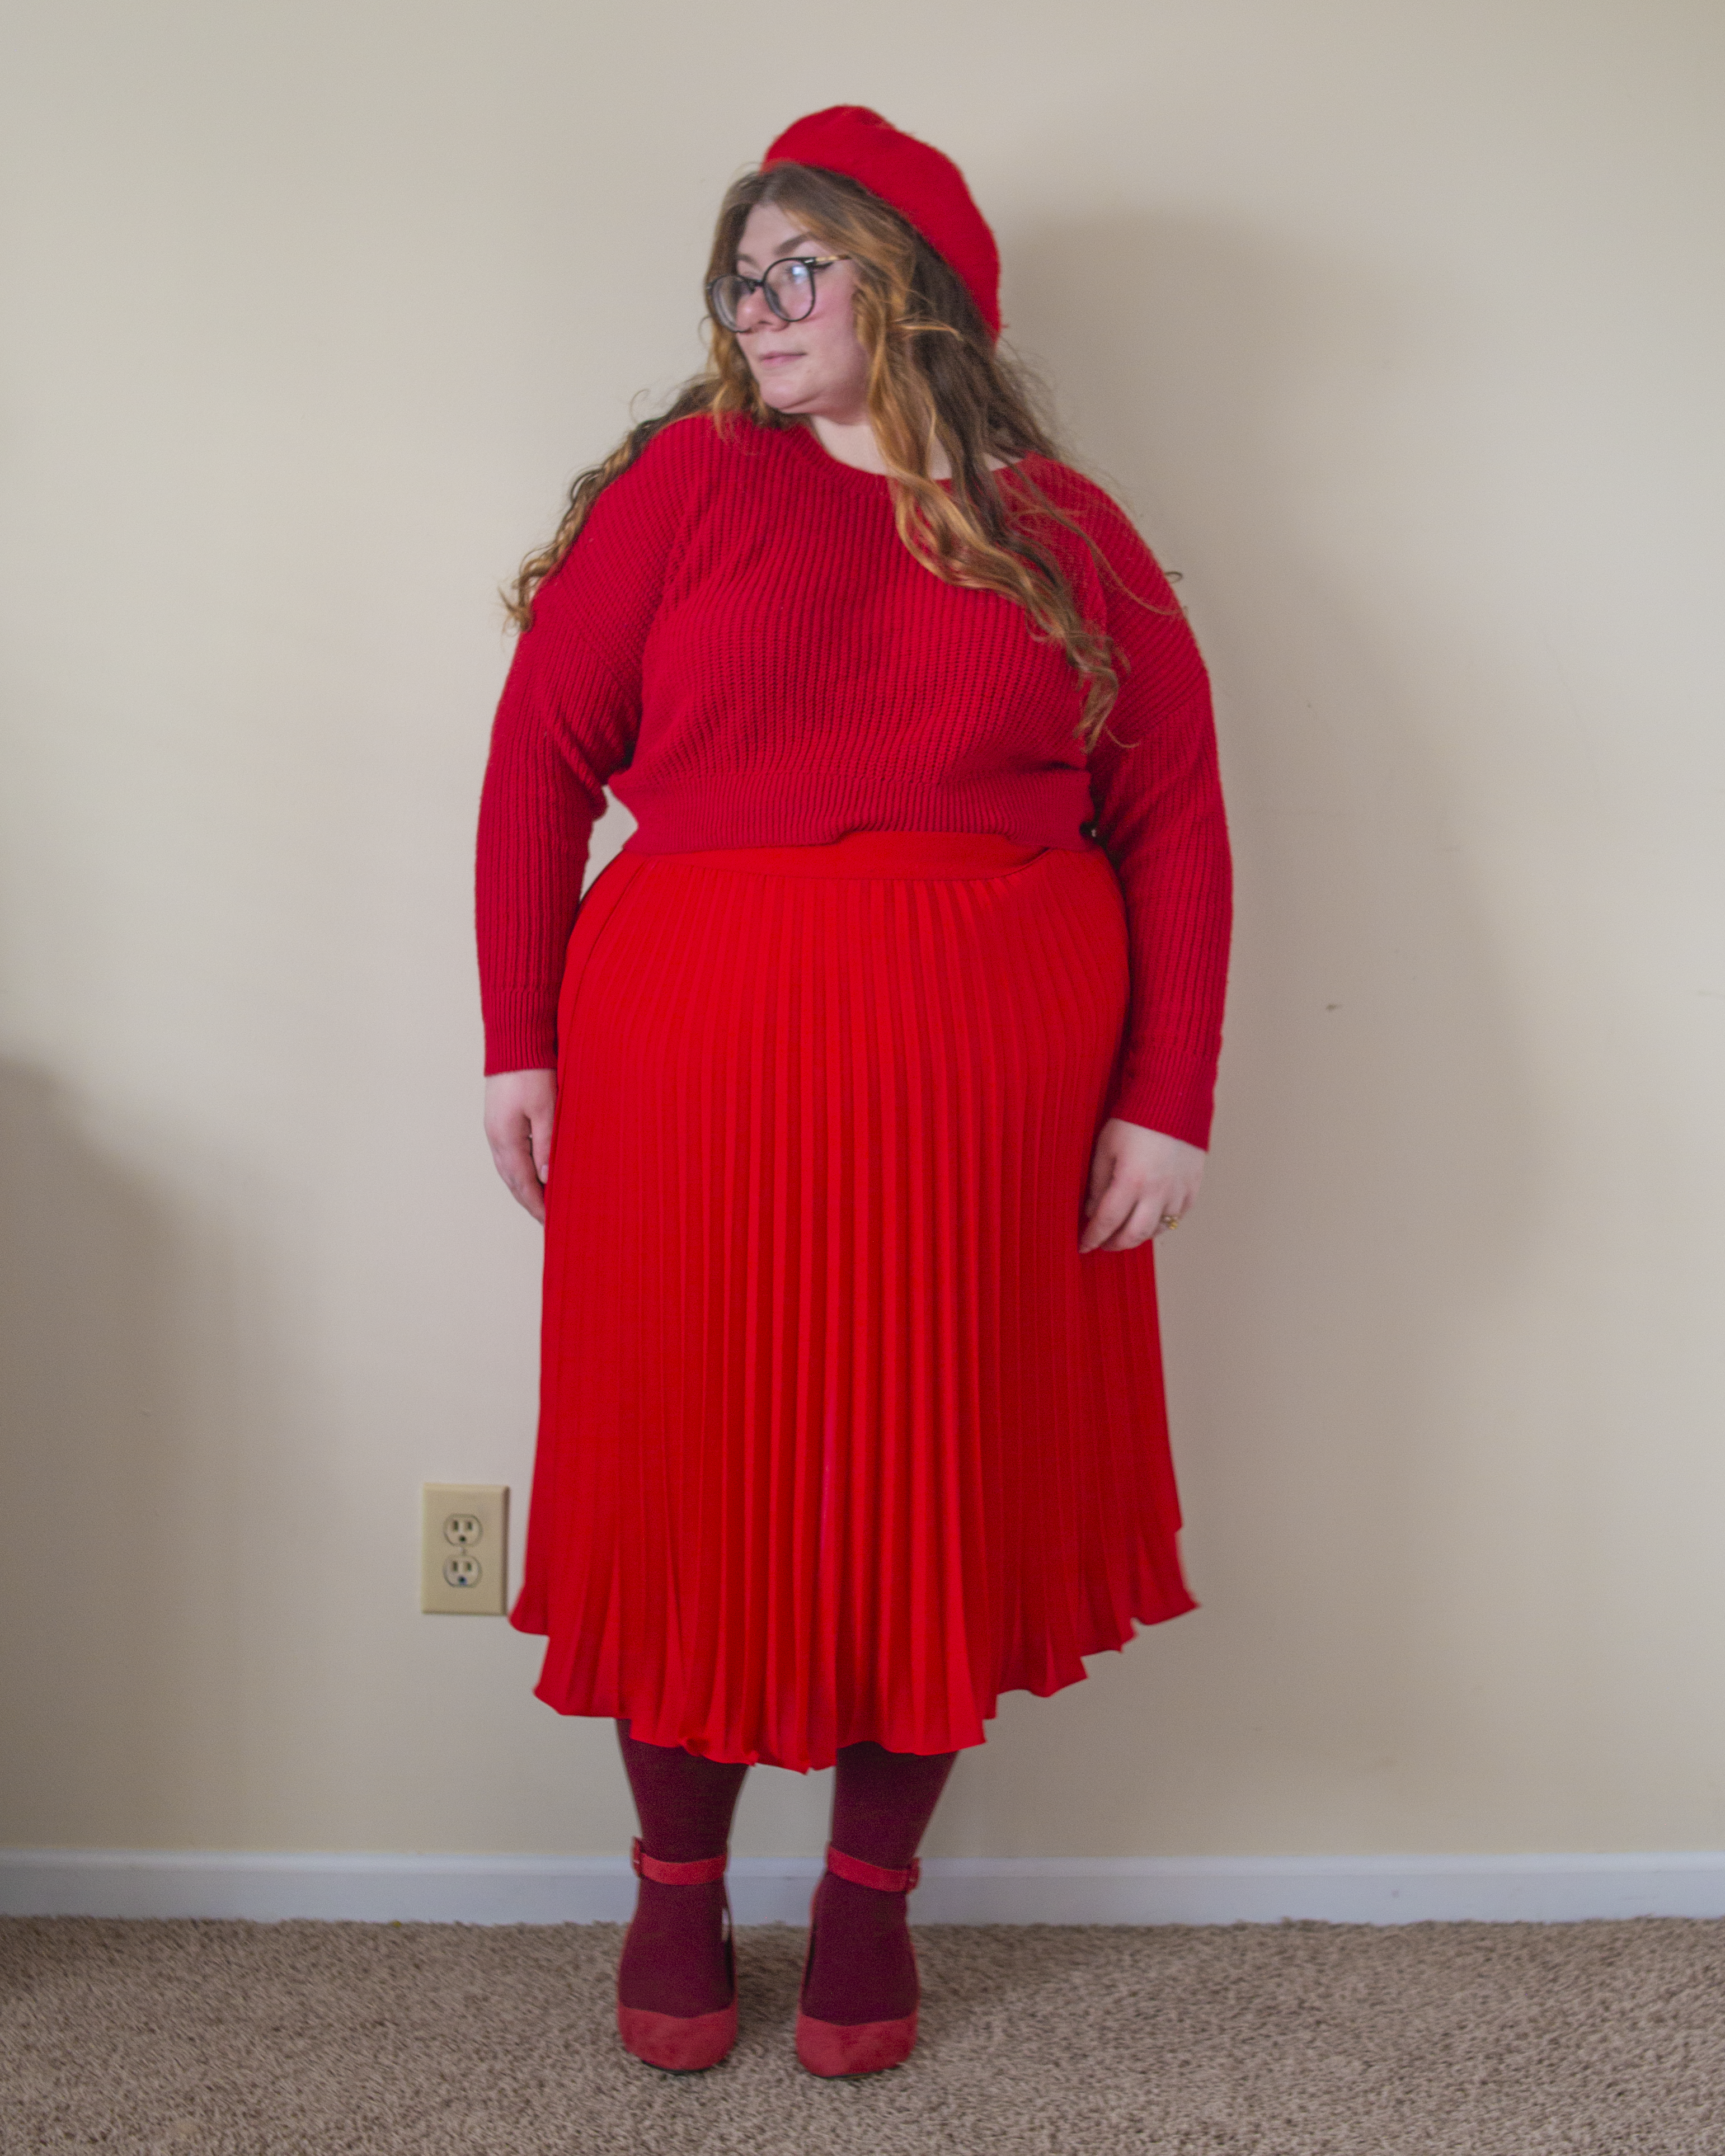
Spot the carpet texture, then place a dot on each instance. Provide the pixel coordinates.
(1296, 2040)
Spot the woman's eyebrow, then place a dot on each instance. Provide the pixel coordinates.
(795, 240)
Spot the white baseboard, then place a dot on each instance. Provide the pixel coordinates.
(377, 1888)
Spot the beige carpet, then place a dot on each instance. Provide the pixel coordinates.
(250, 2040)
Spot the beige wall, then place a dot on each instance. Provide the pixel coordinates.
(1400, 327)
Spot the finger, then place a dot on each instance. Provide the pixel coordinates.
(514, 1162)
(1114, 1206)
(1138, 1227)
(1178, 1202)
(541, 1148)
(524, 1185)
(1150, 1221)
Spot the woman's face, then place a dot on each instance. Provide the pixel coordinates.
(816, 368)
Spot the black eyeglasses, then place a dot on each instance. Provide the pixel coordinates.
(787, 283)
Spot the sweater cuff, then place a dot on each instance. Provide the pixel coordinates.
(521, 1034)
(1177, 1102)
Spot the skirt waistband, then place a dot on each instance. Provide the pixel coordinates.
(872, 853)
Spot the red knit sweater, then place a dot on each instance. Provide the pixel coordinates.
(742, 647)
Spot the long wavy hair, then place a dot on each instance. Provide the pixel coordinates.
(936, 380)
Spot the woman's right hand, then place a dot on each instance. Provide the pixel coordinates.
(519, 1106)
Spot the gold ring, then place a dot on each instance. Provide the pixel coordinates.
(1169, 1220)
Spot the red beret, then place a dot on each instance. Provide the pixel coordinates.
(925, 187)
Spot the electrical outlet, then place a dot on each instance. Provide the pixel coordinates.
(464, 1549)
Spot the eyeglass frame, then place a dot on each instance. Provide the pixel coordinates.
(811, 263)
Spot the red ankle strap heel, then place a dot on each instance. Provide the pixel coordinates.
(702, 1872)
(833, 2048)
(681, 2043)
(874, 1875)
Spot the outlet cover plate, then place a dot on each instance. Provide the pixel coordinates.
(464, 1549)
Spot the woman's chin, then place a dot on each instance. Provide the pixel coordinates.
(781, 395)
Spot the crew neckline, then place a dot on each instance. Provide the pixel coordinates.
(812, 446)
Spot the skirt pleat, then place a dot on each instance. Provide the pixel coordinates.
(840, 1437)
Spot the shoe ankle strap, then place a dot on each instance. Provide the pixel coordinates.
(702, 1872)
(876, 1875)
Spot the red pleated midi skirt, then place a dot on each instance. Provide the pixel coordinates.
(840, 1437)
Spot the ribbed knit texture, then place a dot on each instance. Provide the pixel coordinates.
(741, 647)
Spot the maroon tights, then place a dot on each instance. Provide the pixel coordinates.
(673, 1960)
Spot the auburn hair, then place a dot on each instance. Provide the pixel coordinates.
(936, 380)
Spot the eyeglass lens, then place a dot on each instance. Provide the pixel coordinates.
(789, 288)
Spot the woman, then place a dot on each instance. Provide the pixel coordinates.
(880, 1055)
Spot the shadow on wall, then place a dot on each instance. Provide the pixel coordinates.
(1375, 1164)
(113, 1522)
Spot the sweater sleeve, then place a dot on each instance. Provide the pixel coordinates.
(1157, 795)
(567, 719)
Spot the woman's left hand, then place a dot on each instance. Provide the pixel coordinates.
(1138, 1178)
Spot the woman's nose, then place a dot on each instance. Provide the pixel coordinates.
(753, 311)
